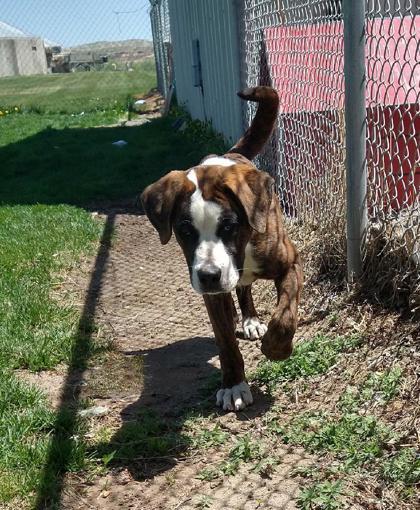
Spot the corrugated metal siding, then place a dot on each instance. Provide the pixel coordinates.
(213, 23)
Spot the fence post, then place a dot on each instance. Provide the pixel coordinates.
(355, 115)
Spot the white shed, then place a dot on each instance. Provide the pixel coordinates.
(20, 53)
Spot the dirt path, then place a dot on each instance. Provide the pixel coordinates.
(164, 355)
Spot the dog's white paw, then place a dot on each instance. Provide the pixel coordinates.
(253, 328)
(235, 398)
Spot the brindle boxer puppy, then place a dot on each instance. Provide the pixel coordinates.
(227, 220)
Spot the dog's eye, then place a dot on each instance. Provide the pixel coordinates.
(228, 226)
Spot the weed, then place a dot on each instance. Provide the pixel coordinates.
(379, 388)
(355, 439)
(266, 466)
(309, 358)
(321, 496)
(208, 474)
(229, 467)
(208, 438)
(245, 450)
(403, 467)
(204, 502)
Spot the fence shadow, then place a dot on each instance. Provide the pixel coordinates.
(60, 449)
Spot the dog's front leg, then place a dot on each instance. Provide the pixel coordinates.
(251, 324)
(277, 343)
(235, 393)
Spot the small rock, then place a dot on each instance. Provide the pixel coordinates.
(94, 411)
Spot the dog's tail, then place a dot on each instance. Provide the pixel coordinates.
(262, 126)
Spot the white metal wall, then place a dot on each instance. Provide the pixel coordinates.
(213, 23)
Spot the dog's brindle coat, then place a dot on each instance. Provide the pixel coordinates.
(228, 222)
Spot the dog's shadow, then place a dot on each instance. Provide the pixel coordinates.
(179, 385)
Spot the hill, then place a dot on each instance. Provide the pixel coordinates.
(131, 49)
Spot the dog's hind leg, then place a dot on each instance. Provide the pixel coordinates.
(252, 326)
(235, 393)
(277, 343)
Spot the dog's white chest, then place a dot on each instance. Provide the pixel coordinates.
(250, 269)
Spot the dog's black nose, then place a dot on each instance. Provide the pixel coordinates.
(209, 276)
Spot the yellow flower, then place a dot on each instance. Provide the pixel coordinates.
(1, 113)
(16, 109)
(6, 112)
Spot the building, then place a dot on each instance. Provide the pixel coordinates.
(20, 53)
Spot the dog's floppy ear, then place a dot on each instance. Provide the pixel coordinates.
(159, 199)
(254, 190)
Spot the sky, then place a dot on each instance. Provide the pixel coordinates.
(72, 22)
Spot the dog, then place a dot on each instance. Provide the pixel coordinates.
(227, 219)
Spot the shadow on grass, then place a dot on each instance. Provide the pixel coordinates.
(61, 448)
(82, 166)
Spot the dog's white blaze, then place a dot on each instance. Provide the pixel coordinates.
(210, 250)
(218, 160)
(251, 268)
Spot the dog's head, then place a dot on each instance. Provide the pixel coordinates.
(213, 211)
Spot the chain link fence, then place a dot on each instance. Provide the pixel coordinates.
(159, 15)
(66, 58)
(297, 46)
(392, 253)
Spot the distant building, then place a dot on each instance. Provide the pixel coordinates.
(21, 53)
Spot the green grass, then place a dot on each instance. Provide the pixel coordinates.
(80, 165)
(76, 92)
(18, 128)
(309, 358)
(37, 331)
(24, 421)
(27, 426)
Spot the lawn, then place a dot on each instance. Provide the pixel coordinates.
(76, 92)
(57, 158)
